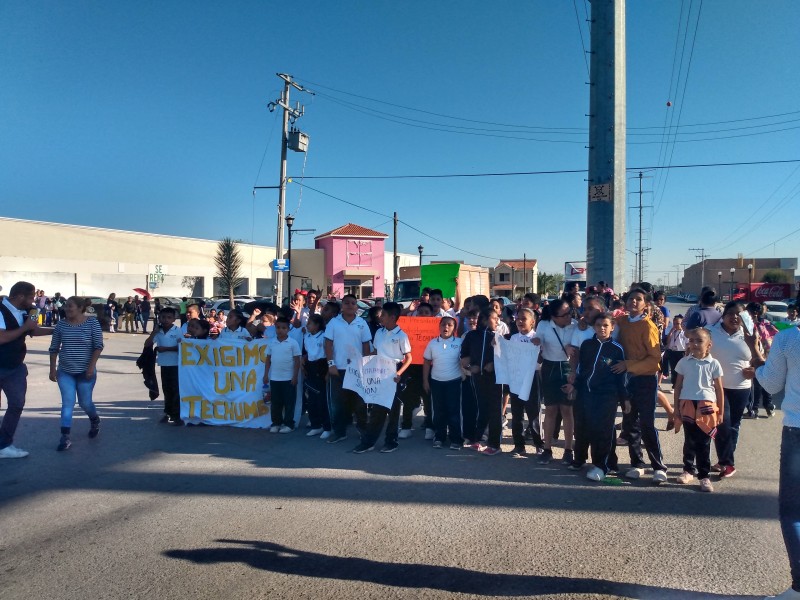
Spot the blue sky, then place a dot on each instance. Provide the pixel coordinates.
(152, 116)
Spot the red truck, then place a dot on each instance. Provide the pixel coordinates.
(761, 292)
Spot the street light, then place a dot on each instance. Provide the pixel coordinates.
(733, 274)
(749, 282)
(719, 282)
(420, 249)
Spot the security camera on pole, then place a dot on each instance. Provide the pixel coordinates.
(297, 141)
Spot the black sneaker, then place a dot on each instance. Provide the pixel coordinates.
(519, 453)
(335, 439)
(64, 444)
(362, 448)
(389, 447)
(545, 457)
(568, 458)
(770, 413)
(94, 428)
(575, 466)
(164, 419)
(177, 421)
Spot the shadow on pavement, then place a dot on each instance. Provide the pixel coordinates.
(275, 558)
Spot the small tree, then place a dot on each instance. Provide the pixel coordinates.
(229, 266)
(775, 276)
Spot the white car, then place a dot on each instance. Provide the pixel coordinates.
(776, 311)
(226, 304)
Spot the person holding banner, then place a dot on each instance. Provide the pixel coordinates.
(554, 336)
(532, 406)
(441, 378)
(282, 365)
(347, 338)
(166, 338)
(390, 342)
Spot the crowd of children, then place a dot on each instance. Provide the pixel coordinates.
(595, 361)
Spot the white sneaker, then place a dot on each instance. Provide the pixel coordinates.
(405, 434)
(430, 434)
(325, 435)
(705, 486)
(595, 474)
(274, 429)
(13, 452)
(286, 429)
(685, 478)
(634, 473)
(659, 477)
(314, 432)
(789, 594)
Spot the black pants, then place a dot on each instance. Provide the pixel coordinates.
(594, 428)
(394, 413)
(469, 411)
(532, 408)
(640, 424)
(672, 357)
(728, 431)
(490, 408)
(344, 404)
(762, 397)
(446, 400)
(374, 417)
(413, 395)
(172, 396)
(696, 448)
(284, 398)
(316, 404)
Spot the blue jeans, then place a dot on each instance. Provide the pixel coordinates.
(789, 499)
(13, 384)
(71, 385)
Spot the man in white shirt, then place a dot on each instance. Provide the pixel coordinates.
(347, 338)
(14, 326)
(166, 338)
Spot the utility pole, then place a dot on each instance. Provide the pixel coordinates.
(289, 115)
(605, 231)
(702, 256)
(525, 274)
(641, 249)
(394, 258)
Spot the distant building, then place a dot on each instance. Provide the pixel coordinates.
(723, 273)
(514, 278)
(95, 261)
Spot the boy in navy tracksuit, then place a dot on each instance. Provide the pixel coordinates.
(600, 391)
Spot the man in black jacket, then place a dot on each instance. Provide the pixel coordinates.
(15, 324)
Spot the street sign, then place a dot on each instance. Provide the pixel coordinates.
(280, 264)
(600, 192)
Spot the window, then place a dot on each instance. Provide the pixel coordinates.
(504, 277)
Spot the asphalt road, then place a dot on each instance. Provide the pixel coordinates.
(153, 511)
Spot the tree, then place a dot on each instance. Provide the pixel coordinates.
(190, 283)
(549, 284)
(229, 266)
(775, 276)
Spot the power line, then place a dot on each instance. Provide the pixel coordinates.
(580, 32)
(752, 252)
(553, 172)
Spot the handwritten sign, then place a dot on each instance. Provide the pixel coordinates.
(420, 331)
(515, 365)
(372, 378)
(220, 382)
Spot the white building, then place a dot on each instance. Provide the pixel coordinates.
(93, 261)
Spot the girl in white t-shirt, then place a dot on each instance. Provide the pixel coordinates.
(234, 327)
(441, 378)
(525, 322)
(699, 406)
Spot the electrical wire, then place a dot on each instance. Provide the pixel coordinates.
(752, 252)
(580, 32)
(553, 172)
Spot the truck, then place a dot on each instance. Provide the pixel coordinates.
(761, 292)
(472, 281)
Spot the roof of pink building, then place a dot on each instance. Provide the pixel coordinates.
(352, 230)
(518, 263)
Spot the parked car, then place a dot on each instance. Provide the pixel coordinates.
(205, 303)
(226, 304)
(167, 301)
(776, 311)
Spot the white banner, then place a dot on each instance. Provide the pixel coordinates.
(372, 378)
(515, 365)
(220, 382)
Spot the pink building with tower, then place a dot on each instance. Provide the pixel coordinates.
(354, 260)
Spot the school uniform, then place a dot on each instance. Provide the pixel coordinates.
(348, 340)
(445, 382)
(676, 350)
(531, 407)
(394, 345)
(698, 390)
(282, 354)
(600, 391)
(314, 381)
(554, 341)
(168, 361)
(234, 334)
(478, 347)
